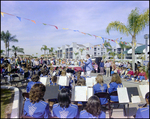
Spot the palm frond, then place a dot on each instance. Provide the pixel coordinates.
(117, 25)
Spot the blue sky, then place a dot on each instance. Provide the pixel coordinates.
(86, 16)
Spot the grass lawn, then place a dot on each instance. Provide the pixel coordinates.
(5, 100)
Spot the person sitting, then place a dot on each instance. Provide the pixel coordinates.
(112, 71)
(130, 74)
(36, 71)
(113, 85)
(35, 80)
(21, 70)
(64, 108)
(136, 73)
(30, 72)
(63, 73)
(141, 76)
(93, 109)
(144, 111)
(53, 81)
(122, 73)
(100, 87)
(35, 106)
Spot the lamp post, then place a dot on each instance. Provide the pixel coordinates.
(146, 36)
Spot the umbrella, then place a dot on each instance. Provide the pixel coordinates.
(139, 50)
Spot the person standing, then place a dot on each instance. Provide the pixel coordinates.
(102, 67)
(88, 65)
(107, 66)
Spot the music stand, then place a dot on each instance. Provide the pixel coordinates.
(51, 92)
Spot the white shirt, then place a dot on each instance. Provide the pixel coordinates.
(107, 64)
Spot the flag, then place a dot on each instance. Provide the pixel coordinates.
(19, 18)
(125, 42)
(2, 13)
(116, 41)
(121, 42)
(44, 24)
(109, 39)
(65, 28)
(99, 37)
(89, 34)
(56, 27)
(33, 21)
(103, 39)
(83, 33)
(95, 36)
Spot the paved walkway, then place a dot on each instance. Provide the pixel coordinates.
(117, 113)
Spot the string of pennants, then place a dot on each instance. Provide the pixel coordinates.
(115, 41)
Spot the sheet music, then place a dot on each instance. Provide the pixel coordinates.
(123, 95)
(89, 92)
(94, 80)
(89, 82)
(82, 73)
(144, 89)
(135, 99)
(80, 93)
(44, 80)
(68, 74)
(63, 81)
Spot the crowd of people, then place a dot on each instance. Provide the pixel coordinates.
(35, 106)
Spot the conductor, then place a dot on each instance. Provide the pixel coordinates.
(88, 65)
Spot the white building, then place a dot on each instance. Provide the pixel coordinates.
(68, 51)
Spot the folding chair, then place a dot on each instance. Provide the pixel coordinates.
(114, 93)
(14, 80)
(25, 80)
(105, 95)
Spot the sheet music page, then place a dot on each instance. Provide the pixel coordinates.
(80, 93)
(89, 92)
(68, 74)
(123, 95)
(89, 82)
(135, 99)
(63, 81)
(144, 89)
(43, 80)
(94, 80)
(82, 73)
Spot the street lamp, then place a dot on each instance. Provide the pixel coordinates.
(146, 36)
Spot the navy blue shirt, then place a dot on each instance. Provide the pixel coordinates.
(101, 64)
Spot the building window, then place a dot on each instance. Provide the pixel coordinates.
(94, 49)
(98, 48)
(101, 53)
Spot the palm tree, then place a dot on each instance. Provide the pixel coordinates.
(76, 53)
(51, 50)
(36, 54)
(17, 49)
(44, 48)
(6, 38)
(2, 51)
(136, 23)
(81, 50)
(113, 54)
